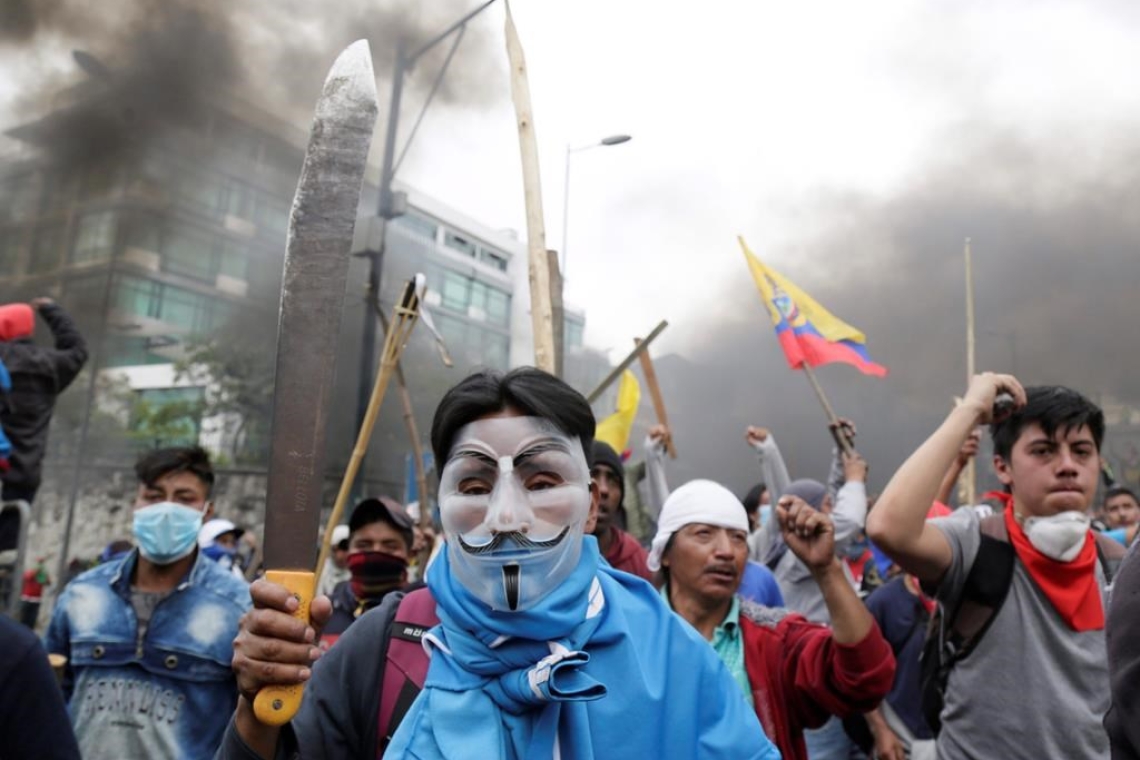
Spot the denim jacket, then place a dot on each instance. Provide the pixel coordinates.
(168, 694)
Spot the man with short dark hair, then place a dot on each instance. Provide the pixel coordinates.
(1042, 661)
(379, 546)
(1121, 508)
(619, 548)
(542, 649)
(148, 636)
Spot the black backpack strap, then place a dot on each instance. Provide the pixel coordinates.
(954, 634)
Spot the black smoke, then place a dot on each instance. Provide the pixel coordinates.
(1056, 250)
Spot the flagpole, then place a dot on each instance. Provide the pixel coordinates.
(840, 438)
(650, 374)
(970, 481)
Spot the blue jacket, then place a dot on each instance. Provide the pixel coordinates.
(166, 695)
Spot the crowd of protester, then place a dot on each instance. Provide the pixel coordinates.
(577, 607)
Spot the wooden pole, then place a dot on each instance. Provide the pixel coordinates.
(626, 362)
(406, 313)
(410, 424)
(970, 480)
(541, 309)
(655, 393)
(840, 438)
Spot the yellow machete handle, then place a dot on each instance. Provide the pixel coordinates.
(276, 705)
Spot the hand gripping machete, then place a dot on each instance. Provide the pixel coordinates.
(312, 298)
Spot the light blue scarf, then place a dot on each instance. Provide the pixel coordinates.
(525, 685)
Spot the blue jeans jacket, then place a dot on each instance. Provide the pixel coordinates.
(168, 694)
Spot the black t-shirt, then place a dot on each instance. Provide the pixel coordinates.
(33, 717)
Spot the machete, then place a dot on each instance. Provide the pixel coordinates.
(312, 298)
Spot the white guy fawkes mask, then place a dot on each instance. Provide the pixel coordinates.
(514, 496)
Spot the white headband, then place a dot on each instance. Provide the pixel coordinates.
(698, 501)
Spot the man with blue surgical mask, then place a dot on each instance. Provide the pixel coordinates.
(542, 650)
(148, 636)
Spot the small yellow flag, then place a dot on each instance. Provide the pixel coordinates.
(616, 428)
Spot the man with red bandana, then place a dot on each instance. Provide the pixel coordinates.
(1042, 662)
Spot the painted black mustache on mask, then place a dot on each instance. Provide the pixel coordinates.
(520, 539)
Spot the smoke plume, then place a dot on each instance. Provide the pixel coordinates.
(1056, 276)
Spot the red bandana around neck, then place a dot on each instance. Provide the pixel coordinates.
(1070, 586)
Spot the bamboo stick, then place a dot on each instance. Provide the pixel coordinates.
(541, 309)
(626, 362)
(406, 313)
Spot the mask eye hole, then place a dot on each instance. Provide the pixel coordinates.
(474, 487)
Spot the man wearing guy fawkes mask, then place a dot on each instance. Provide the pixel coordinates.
(543, 650)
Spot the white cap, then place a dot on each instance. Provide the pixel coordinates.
(340, 533)
(214, 528)
(698, 501)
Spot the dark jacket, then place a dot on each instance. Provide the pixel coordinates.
(346, 610)
(39, 374)
(1123, 718)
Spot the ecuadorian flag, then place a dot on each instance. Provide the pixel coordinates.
(807, 332)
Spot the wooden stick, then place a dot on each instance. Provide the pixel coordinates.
(410, 424)
(840, 438)
(626, 362)
(969, 488)
(541, 310)
(655, 393)
(406, 313)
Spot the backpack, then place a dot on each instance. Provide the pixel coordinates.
(952, 637)
(405, 662)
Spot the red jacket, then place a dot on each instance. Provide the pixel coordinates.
(800, 676)
(628, 556)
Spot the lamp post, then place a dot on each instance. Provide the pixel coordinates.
(391, 206)
(604, 142)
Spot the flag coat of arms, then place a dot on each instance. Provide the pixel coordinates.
(808, 333)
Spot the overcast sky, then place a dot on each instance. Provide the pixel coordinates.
(837, 137)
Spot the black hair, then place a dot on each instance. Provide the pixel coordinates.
(529, 390)
(751, 500)
(155, 465)
(383, 509)
(1120, 491)
(1056, 409)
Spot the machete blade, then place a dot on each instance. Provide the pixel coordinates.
(312, 299)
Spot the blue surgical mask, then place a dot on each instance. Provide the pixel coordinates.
(166, 532)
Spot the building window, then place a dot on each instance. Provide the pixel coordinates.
(233, 261)
(46, 251)
(492, 259)
(417, 225)
(95, 237)
(456, 291)
(180, 308)
(11, 246)
(162, 417)
(188, 254)
(456, 243)
(498, 307)
(572, 333)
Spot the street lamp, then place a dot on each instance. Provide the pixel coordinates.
(604, 142)
(390, 203)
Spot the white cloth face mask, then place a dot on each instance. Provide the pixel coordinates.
(1060, 536)
(514, 496)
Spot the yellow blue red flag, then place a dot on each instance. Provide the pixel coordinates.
(807, 332)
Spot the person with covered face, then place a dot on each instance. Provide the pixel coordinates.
(542, 650)
(795, 674)
(379, 545)
(147, 635)
(1042, 661)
